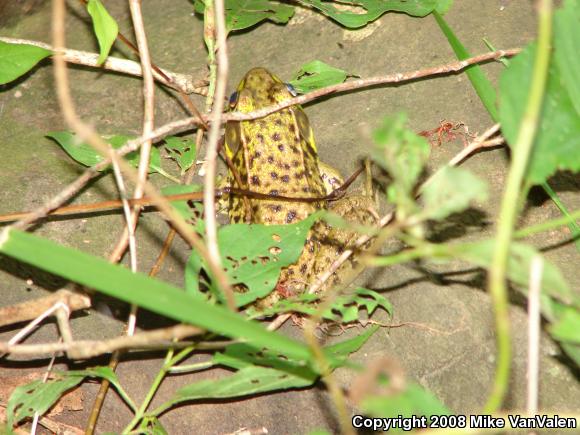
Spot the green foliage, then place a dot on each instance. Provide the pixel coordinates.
(188, 213)
(17, 59)
(259, 371)
(567, 328)
(105, 27)
(86, 155)
(253, 255)
(315, 75)
(37, 397)
(557, 142)
(182, 150)
(138, 289)
(344, 308)
(412, 401)
(359, 13)
(241, 14)
(442, 196)
(403, 155)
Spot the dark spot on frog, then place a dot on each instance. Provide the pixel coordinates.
(278, 121)
(290, 216)
(303, 268)
(276, 137)
(255, 180)
(306, 189)
(311, 248)
(270, 159)
(255, 208)
(260, 137)
(294, 149)
(273, 192)
(276, 208)
(286, 166)
(274, 175)
(280, 147)
(299, 175)
(292, 128)
(285, 178)
(295, 163)
(257, 154)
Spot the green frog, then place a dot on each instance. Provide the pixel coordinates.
(276, 155)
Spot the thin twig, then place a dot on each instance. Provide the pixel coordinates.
(213, 137)
(180, 82)
(84, 349)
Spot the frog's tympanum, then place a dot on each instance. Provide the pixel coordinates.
(276, 155)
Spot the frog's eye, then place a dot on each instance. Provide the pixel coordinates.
(233, 99)
(291, 89)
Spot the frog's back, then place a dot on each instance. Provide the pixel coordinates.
(274, 155)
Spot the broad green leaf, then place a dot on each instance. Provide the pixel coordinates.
(241, 14)
(17, 59)
(182, 150)
(403, 155)
(450, 191)
(105, 26)
(86, 155)
(183, 207)
(443, 6)
(139, 289)
(358, 13)
(36, 396)
(315, 75)
(557, 142)
(566, 43)
(414, 400)
(253, 255)
(567, 328)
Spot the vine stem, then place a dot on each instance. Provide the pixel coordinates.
(509, 207)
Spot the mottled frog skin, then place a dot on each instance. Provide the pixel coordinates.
(277, 155)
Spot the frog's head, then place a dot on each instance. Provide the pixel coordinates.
(259, 88)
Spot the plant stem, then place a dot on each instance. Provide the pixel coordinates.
(509, 207)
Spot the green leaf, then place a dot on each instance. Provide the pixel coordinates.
(86, 155)
(182, 150)
(105, 26)
(17, 59)
(357, 13)
(344, 309)
(241, 14)
(281, 374)
(183, 207)
(519, 263)
(567, 328)
(557, 142)
(137, 288)
(403, 155)
(566, 42)
(37, 397)
(152, 425)
(413, 401)
(450, 191)
(315, 75)
(254, 255)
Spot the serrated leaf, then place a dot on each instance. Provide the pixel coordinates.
(105, 26)
(567, 328)
(450, 191)
(357, 13)
(345, 308)
(315, 75)
(241, 14)
(413, 401)
(253, 255)
(17, 59)
(557, 141)
(37, 397)
(86, 155)
(182, 150)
